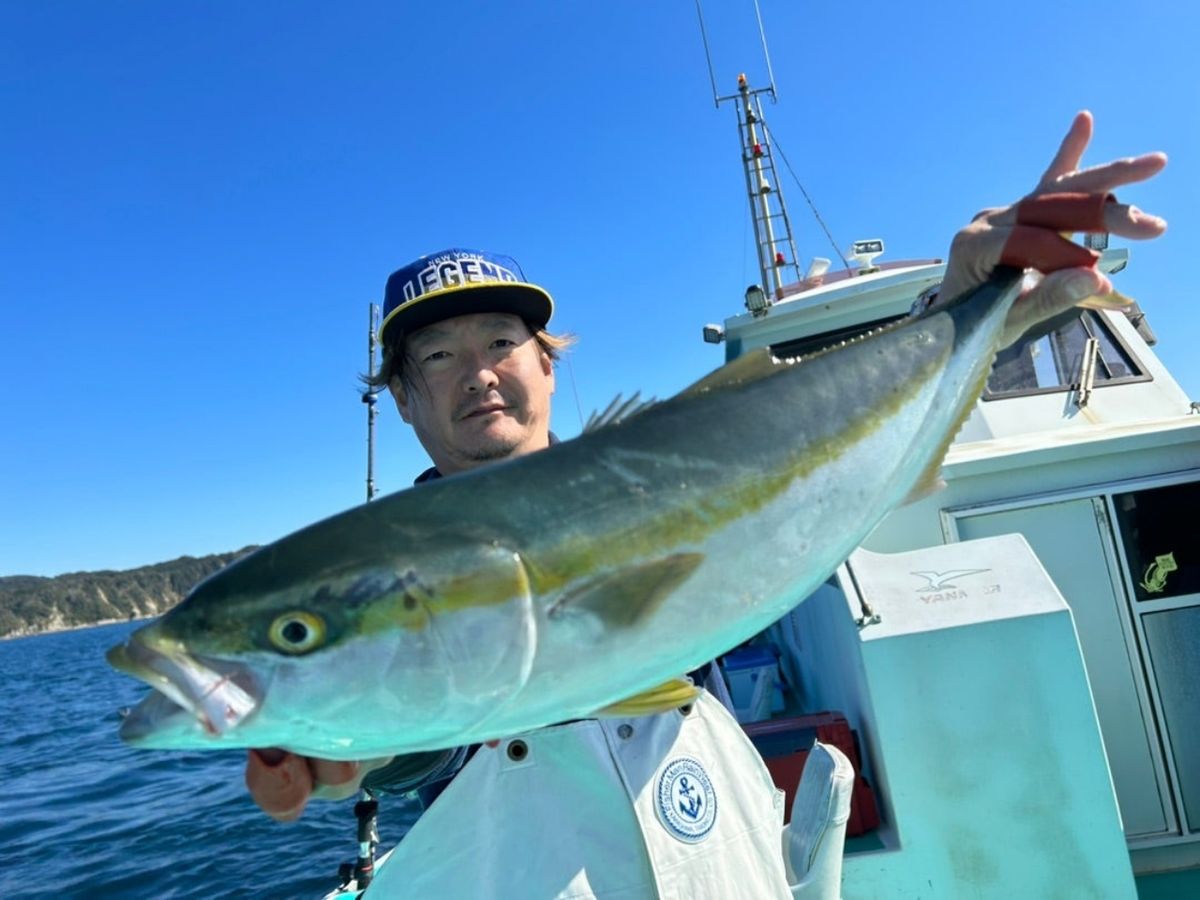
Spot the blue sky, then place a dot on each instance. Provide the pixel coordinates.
(198, 200)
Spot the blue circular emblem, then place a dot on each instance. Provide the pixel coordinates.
(687, 803)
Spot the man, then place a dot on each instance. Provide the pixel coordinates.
(470, 366)
(469, 363)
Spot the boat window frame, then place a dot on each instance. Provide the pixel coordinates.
(1180, 830)
(1126, 522)
(989, 396)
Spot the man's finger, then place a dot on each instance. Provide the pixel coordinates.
(1062, 290)
(272, 756)
(333, 772)
(1051, 296)
(1130, 222)
(1028, 247)
(280, 785)
(1070, 152)
(1110, 176)
(1116, 218)
(1064, 212)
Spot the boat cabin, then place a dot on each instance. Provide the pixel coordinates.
(1017, 653)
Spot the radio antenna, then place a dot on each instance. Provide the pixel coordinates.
(762, 37)
(776, 248)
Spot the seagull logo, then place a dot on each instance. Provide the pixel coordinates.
(939, 581)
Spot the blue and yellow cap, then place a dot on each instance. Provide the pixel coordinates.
(456, 283)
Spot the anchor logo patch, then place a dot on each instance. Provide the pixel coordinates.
(686, 801)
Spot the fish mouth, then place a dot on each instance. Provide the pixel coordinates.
(188, 690)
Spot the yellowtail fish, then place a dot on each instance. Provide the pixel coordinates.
(577, 580)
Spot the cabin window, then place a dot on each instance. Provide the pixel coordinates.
(1052, 362)
(1160, 529)
(1172, 636)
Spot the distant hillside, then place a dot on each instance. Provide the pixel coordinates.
(31, 605)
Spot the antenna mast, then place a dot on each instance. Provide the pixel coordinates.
(369, 398)
(772, 227)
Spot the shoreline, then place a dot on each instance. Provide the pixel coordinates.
(55, 629)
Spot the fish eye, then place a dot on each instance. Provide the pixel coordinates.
(297, 632)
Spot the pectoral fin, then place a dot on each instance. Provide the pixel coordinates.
(671, 695)
(624, 597)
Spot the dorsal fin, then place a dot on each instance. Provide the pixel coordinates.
(618, 410)
(748, 367)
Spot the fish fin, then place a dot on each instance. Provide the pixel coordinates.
(931, 479)
(930, 482)
(748, 367)
(618, 410)
(667, 696)
(625, 597)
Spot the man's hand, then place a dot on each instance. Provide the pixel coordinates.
(282, 783)
(1070, 278)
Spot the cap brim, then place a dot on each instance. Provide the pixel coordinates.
(528, 301)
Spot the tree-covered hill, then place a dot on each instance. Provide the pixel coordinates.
(31, 605)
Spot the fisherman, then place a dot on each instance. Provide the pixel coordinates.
(470, 364)
(592, 807)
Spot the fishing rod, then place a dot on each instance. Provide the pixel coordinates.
(369, 398)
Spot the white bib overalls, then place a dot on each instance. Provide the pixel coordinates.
(673, 806)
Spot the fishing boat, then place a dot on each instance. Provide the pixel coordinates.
(1009, 664)
(1017, 653)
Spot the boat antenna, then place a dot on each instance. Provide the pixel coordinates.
(369, 398)
(708, 56)
(768, 211)
(762, 36)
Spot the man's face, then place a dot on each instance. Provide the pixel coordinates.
(477, 389)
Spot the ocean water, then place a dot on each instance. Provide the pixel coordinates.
(83, 815)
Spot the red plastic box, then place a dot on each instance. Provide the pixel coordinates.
(785, 744)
